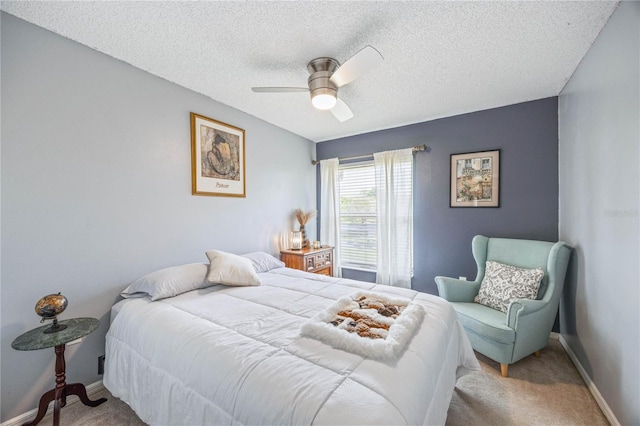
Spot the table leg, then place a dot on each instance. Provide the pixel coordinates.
(60, 397)
(61, 391)
(79, 390)
(56, 394)
(42, 407)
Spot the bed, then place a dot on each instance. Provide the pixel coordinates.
(229, 354)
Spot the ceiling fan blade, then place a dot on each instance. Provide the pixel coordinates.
(341, 111)
(279, 89)
(360, 63)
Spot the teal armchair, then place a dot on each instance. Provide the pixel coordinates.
(525, 327)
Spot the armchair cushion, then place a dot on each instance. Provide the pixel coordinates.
(503, 284)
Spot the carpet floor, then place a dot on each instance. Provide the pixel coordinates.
(545, 390)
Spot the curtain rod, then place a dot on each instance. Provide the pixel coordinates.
(358, 157)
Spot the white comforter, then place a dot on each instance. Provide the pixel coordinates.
(234, 355)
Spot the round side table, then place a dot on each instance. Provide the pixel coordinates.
(37, 339)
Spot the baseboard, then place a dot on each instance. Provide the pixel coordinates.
(590, 385)
(92, 389)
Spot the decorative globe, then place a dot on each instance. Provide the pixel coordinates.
(51, 305)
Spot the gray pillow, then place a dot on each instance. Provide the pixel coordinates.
(263, 262)
(503, 284)
(169, 282)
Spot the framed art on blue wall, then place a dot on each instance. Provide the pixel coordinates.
(217, 158)
(475, 179)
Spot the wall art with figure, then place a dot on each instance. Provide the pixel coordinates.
(217, 158)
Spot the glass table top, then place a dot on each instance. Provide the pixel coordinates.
(37, 339)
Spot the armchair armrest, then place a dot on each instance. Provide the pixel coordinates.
(454, 290)
(521, 308)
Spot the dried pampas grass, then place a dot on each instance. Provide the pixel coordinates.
(303, 217)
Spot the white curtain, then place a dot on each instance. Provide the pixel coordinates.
(330, 209)
(394, 193)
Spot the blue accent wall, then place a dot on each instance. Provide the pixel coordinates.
(526, 134)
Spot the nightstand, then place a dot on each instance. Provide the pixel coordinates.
(318, 261)
(37, 339)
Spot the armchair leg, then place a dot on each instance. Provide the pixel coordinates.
(504, 368)
(537, 353)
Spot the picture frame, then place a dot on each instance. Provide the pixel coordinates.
(475, 179)
(217, 158)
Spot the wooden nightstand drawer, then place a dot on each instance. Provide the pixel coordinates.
(311, 263)
(324, 271)
(323, 259)
(319, 261)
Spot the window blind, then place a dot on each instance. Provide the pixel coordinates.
(358, 218)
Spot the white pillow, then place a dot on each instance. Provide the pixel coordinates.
(168, 282)
(230, 269)
(263, 262)
(503, 284)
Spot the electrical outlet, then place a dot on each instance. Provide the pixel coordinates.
(101, 364)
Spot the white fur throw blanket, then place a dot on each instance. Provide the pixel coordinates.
(369, 324)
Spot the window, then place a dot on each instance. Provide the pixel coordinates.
(358, 222)
(367, 213)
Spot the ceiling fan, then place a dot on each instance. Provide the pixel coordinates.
(327, 76)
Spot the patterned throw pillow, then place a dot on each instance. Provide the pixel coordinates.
(502, 284)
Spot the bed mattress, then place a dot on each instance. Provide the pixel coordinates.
(235, 355)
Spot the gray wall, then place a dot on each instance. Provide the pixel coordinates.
(599, 135)
(527, 135)
(96, 191)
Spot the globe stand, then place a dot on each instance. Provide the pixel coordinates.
(55, 327)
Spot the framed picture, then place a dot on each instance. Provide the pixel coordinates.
(475, 179)
(217, 158)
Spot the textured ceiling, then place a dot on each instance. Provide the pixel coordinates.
(441, 58)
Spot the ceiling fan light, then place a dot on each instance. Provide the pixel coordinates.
(323, 101)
